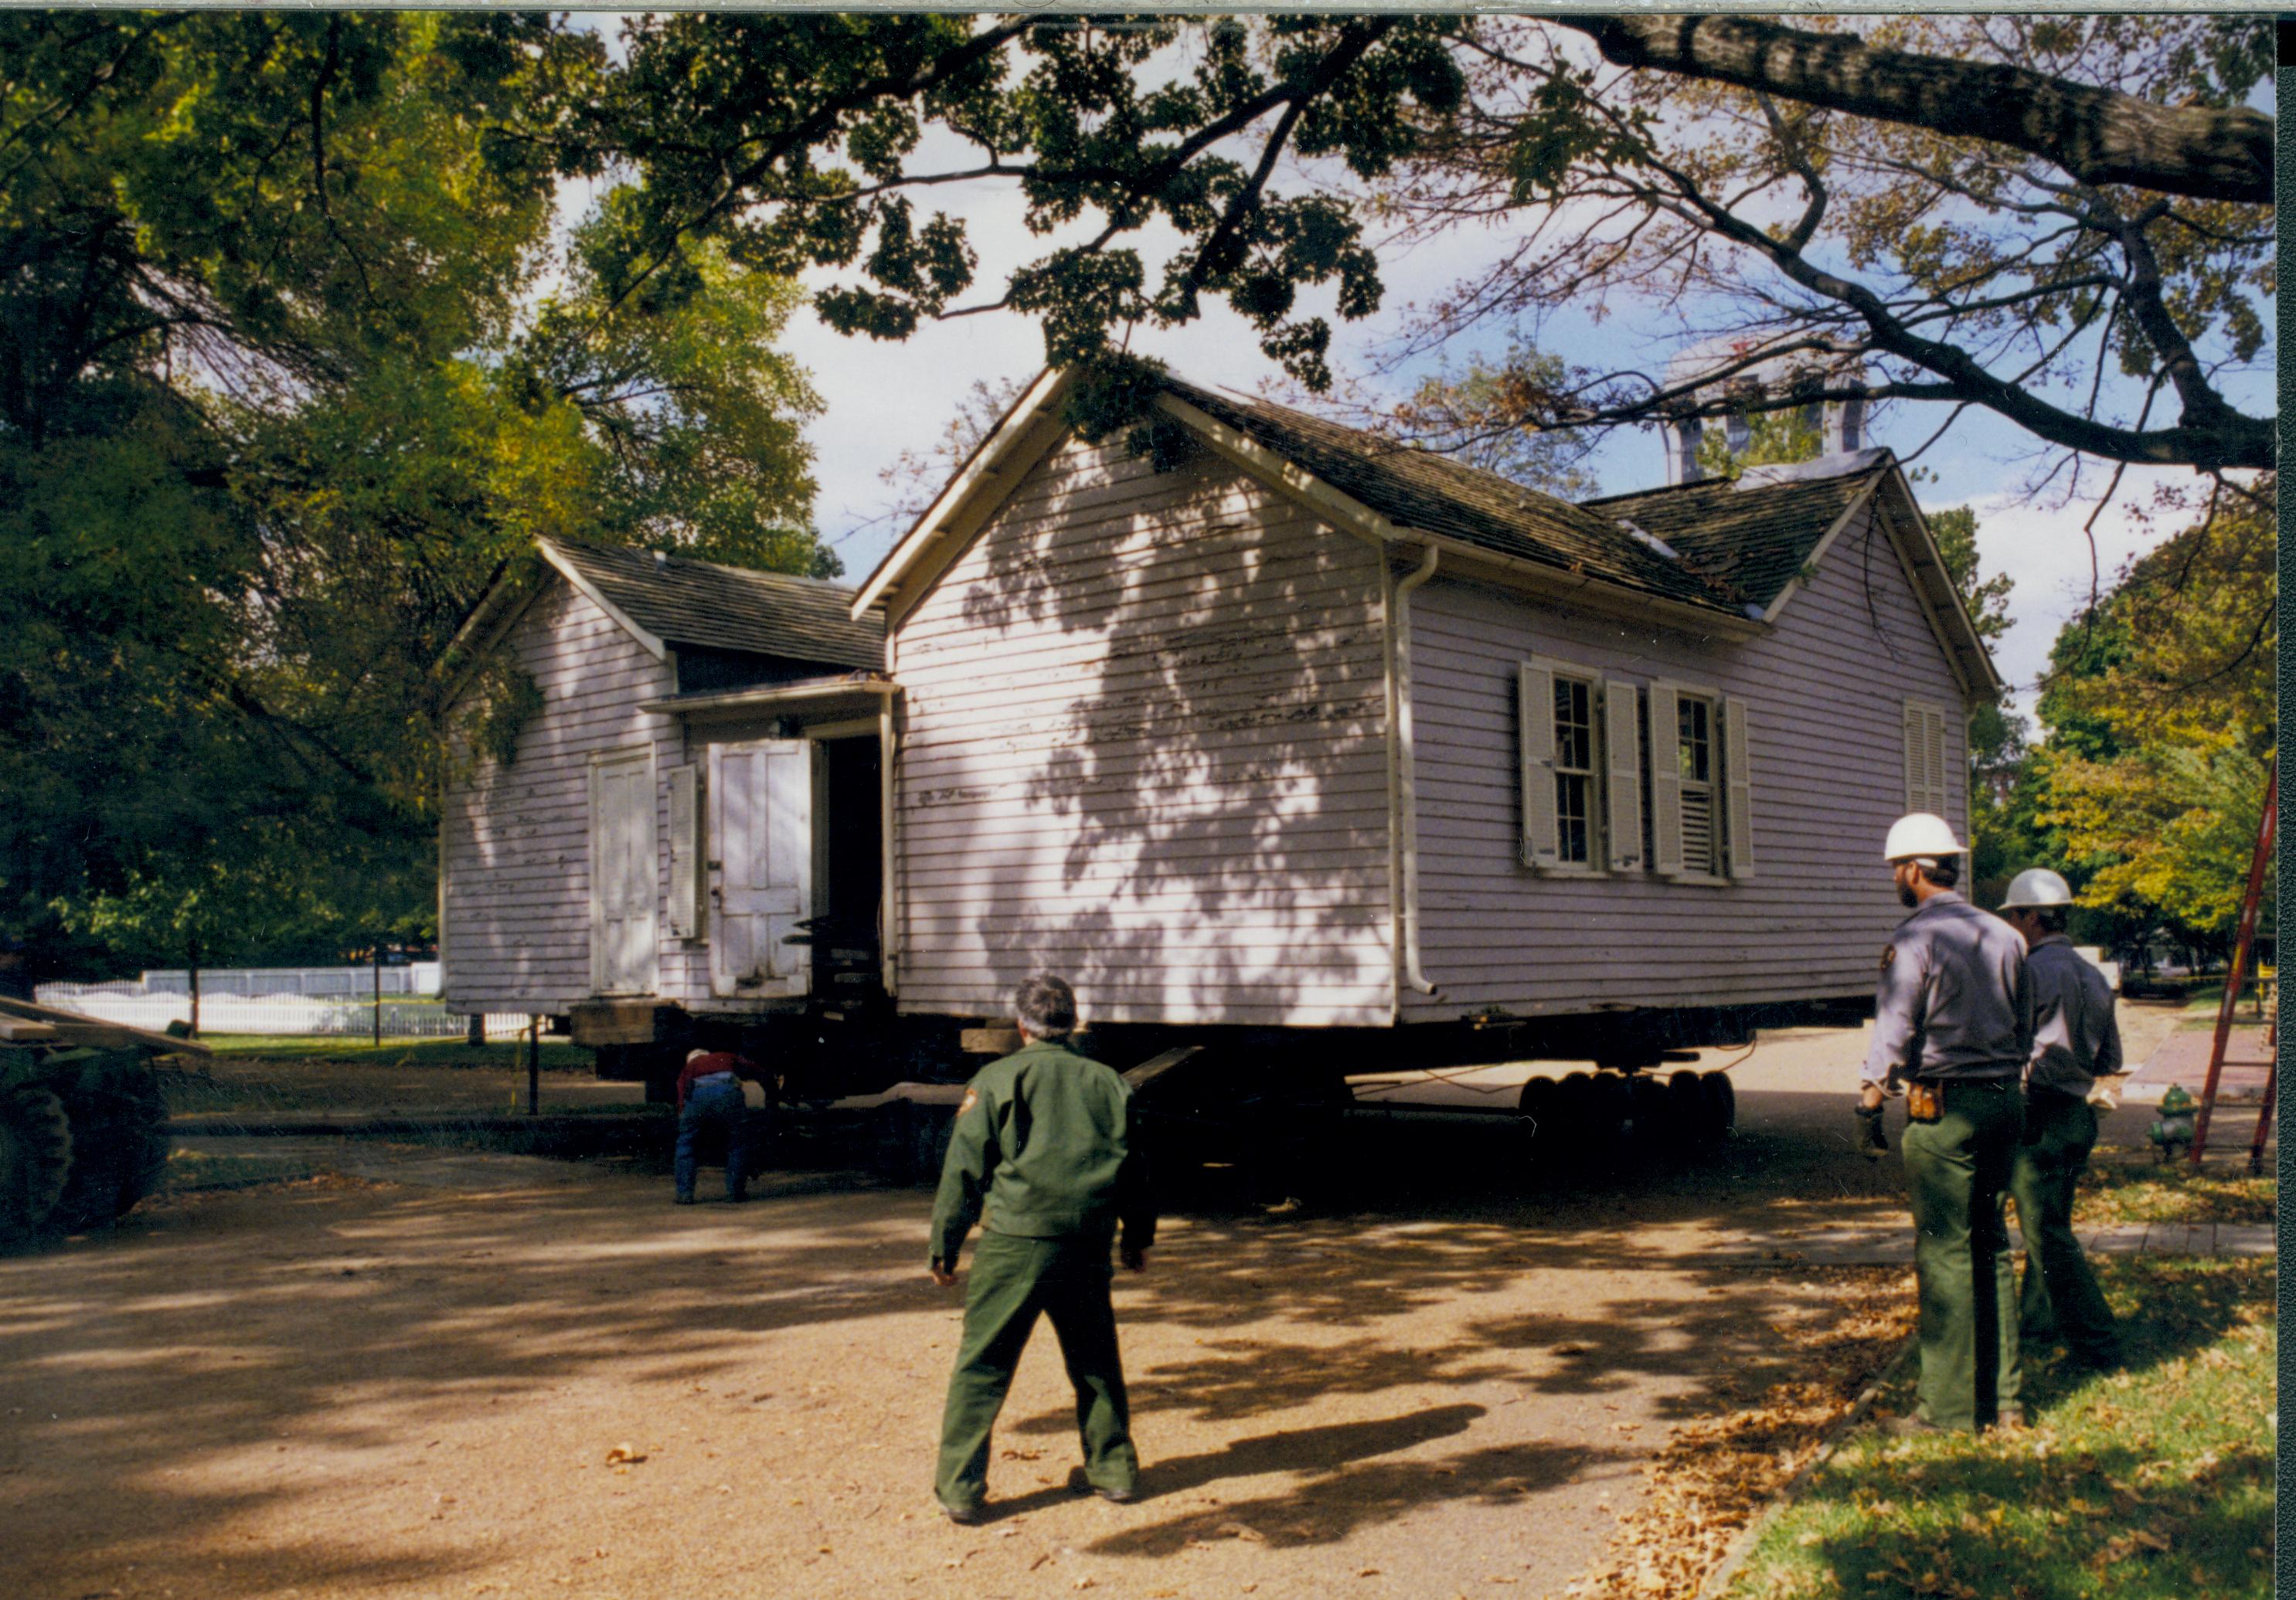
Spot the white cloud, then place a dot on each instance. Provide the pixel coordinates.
(2041, 545)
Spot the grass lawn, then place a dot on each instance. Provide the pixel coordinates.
(2154, 1481)
(2118, 1191)
(395, 1052)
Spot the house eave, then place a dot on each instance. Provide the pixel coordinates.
(1023, 433)
(558, 559)
(776, 696)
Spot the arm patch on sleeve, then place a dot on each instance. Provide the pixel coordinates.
(1888, 955)
(972, 1098)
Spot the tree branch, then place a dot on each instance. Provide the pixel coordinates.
(2099, 136)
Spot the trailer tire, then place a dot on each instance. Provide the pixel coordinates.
(1614, 1105)
(1652, 1123)
(1721, 1098)
(1576, 1109)
(1685, 1104)
(1536, 1109)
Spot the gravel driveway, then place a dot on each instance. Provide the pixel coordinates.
(352, 1386)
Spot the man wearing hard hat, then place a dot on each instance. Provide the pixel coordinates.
(2075, 1041)
(1954, 1023)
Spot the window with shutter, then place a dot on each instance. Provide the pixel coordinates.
(1927, 779)
(1564, 714)
(1663, 700)
(1622, 739)
(1737, 776)
(685, 913)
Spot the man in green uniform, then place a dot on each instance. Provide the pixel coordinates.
(1953, 1021)
(1042, 1157)
(2075, 1041)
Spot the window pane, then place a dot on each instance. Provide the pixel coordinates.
(1570, 824)
(1574, 726)
(1696, 747)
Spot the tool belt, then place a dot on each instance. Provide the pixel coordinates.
(1925, 1097)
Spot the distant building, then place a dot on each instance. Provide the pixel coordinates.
(1839, 424)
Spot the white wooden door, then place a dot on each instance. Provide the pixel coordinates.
(623, 893)
(761, 867)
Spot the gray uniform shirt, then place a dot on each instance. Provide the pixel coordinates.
(1953, 1001)
(2076, 1036)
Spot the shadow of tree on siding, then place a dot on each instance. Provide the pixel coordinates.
(1204, 814)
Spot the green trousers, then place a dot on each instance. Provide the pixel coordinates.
(1956, 1171)
(1013, 1279)
(2059, 1297)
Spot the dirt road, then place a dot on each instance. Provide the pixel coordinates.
(358, 1388)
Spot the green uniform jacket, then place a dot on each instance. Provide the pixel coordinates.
(1042, 1150)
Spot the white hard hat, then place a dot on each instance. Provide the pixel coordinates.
(2037, 889)
(1920, 834)
(693, 1056)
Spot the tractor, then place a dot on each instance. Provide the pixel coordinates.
(83, 1123)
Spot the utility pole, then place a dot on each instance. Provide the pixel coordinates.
(533, 1065)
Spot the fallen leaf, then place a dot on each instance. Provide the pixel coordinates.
(2149, 1539)
(624, 1455)
(1368, 1573)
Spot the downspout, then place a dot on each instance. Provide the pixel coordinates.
(1403, 782)
(888, 910)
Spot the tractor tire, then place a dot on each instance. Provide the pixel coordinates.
(119, 1149)
(36, 1157)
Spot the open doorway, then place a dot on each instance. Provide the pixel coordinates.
(849, 877)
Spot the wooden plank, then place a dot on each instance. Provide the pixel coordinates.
(72, 1028)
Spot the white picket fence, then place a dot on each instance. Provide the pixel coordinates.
(298, 1014)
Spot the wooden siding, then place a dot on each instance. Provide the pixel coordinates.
(1823, 696)
(1143, 745)
(514, 840)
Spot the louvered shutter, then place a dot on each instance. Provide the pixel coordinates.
(1926, 783)
(684, 852)
(1536, 731)
(1738, 813)
(1622, 741)
(1666, 779)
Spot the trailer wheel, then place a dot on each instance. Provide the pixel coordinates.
(1576, 1107)
(1652, 1123)
(1536, 1107)
(1614, 1105)
(1685, 1104)
(1721, 1105)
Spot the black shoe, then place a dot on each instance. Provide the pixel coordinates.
(963, 1516)
(683, 1200)
(2009, 1419)
(1078, 1484)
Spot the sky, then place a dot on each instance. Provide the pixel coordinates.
(882, 399)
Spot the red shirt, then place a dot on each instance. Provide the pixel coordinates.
(714, 1062)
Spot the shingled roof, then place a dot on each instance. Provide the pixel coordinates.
(681, 600)
(1422, 489)
(1756, 535)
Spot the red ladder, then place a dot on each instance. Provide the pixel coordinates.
(2243, 946)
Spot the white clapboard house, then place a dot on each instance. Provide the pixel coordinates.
(1311, 731)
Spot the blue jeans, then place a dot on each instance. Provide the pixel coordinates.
(709, 1104)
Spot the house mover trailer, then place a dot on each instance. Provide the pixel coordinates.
(1308, 753)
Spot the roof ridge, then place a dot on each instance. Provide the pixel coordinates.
(685, 560)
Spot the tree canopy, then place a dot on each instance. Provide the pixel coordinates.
(2064, 221)
(288, 367)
